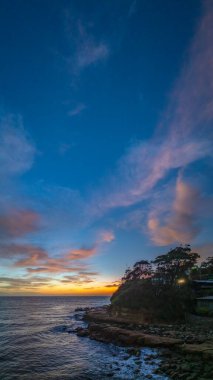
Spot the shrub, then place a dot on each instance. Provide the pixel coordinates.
(163, 303)
(204, 311)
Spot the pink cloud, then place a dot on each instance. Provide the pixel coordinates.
(58, 267)
(17, 223)
(192, 101)
(204, 250)
(181, 225)
(107, 237)
(81, 278)
(36, 259)
(182, 137)
(34, 256)
(15, 283)
(15, 249)
(82, 253)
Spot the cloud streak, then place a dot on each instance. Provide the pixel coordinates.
(17, 152)
(17, 223)
(37, 259)
(77, 110)
(81, 278)
(87, 49)
(182, 137)
(90, 52)
(19, 284)
(181, 225)
(107, 236)
(82, 253)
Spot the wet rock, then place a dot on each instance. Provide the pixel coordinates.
(203, 349)
(82, 332)
(134, 351)
(122, 336)
(187, 350)
(136, 371)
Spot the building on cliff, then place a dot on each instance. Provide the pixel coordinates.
(204, 296)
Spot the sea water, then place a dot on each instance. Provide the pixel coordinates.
(37, 342)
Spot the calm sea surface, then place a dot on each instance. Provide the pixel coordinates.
(37, 342)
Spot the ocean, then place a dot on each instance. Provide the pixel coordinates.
(37, 343)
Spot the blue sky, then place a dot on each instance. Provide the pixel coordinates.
(105, 139)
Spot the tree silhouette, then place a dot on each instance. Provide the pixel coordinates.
(174, 265)
(206, 267)
(141, 270)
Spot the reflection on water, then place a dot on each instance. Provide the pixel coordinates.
(36, 343)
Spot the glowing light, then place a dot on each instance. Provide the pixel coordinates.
(181, 281)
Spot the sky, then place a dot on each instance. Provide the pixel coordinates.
(106, 111)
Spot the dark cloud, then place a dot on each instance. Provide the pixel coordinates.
(83, 277)
(23, 283)
(112, 285)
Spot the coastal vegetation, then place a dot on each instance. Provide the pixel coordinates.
(155, 306)
(162, 289)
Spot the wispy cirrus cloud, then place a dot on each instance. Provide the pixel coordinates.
(107, 236)
(90, 52)
(82, 253)
(77, 109)
(183, 136)
(24, 255)
(57, 266)
(182, 223)
(17, 152)
(86, 48)
(132, 8)
(116, 284)
(64, 148)
(17, 156)
(16, 223)
(10, 283)
(142, 168)
(36, 259)
(81, 278)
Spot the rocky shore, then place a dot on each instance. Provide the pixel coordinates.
(187, 350)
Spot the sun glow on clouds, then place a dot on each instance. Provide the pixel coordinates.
(182, 224)
(43, 271)
(18, 223)
(82, 284)
(182, 138)
(107, 236)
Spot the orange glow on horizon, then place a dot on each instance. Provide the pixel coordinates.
(77, 291)
(65, 291)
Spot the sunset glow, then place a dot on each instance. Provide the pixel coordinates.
(105, 140)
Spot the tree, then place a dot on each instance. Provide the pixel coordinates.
(154, 287)
(206, 267)
(141, 270)
(175, 265)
